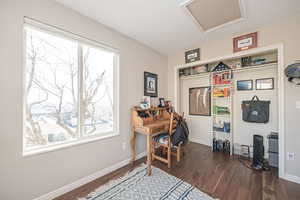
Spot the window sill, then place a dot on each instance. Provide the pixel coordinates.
(67, 145)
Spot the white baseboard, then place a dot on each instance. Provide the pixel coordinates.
(199, 142)
(67, 188)
(292, 178)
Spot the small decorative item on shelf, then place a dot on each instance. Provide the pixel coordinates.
(207, 67)
(222, 78)
(181, 72)
(224, 92)
(222, 126)
(162, 102)
(227, 127)
(221, 67)
(154, 102)
(187, 71)
(199, 69)
(220, 110)
(168, 103)
(146, 103)
(259, 61)
(246, 61)
(238, 65)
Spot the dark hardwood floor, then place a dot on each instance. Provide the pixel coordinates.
(216, 174)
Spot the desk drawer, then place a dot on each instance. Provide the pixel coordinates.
(157, 129)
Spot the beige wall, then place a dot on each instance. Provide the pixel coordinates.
(29, 177)
(286, 32)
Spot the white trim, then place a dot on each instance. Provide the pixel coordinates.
(281, 110)
(190, 15)
(38, 25)
(24, 100)
(68, 144)
(281, 90)
(80, 90)
(67, 188)
(292, 178)
(116, 95)
(176, 90)
(191, 139)
(243, 17)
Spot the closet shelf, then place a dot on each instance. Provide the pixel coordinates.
(221, 115)
(220, 72)
(221, 98)
(203, 74)
(247, 68)
(222, 85)
(257, 67)
(223, 132)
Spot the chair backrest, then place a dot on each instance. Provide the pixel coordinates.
(172, 126)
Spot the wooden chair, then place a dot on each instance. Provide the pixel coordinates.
(166, 145)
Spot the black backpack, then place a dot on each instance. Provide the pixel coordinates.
(181, 133)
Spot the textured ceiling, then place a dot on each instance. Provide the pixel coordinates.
(163, 26)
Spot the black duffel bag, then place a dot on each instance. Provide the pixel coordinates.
(256, 111)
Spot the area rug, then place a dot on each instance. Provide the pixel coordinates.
(136, 185)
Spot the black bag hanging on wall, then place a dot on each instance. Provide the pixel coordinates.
(256, 111)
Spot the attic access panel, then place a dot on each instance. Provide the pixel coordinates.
(212, 14)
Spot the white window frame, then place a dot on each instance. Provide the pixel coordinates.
(33, 24)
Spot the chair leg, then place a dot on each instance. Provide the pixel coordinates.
(169, 157)
(169, 152)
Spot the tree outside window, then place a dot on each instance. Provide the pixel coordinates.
(69, 90)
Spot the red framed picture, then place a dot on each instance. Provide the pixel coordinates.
(245, 42)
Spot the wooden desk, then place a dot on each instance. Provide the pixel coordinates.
(149, 126)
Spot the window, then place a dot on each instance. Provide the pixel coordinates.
(70, 91)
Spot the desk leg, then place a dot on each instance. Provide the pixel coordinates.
(132, 143)
(149, 152)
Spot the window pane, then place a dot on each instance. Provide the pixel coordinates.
(97, 101)
(51, 89)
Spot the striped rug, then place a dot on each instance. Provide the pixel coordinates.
(136, 185)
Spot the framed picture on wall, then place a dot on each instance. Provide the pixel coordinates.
(245, 42)
(265, 84)
(244, 85)
(200, 101)
(192, 55)
(150, 84)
